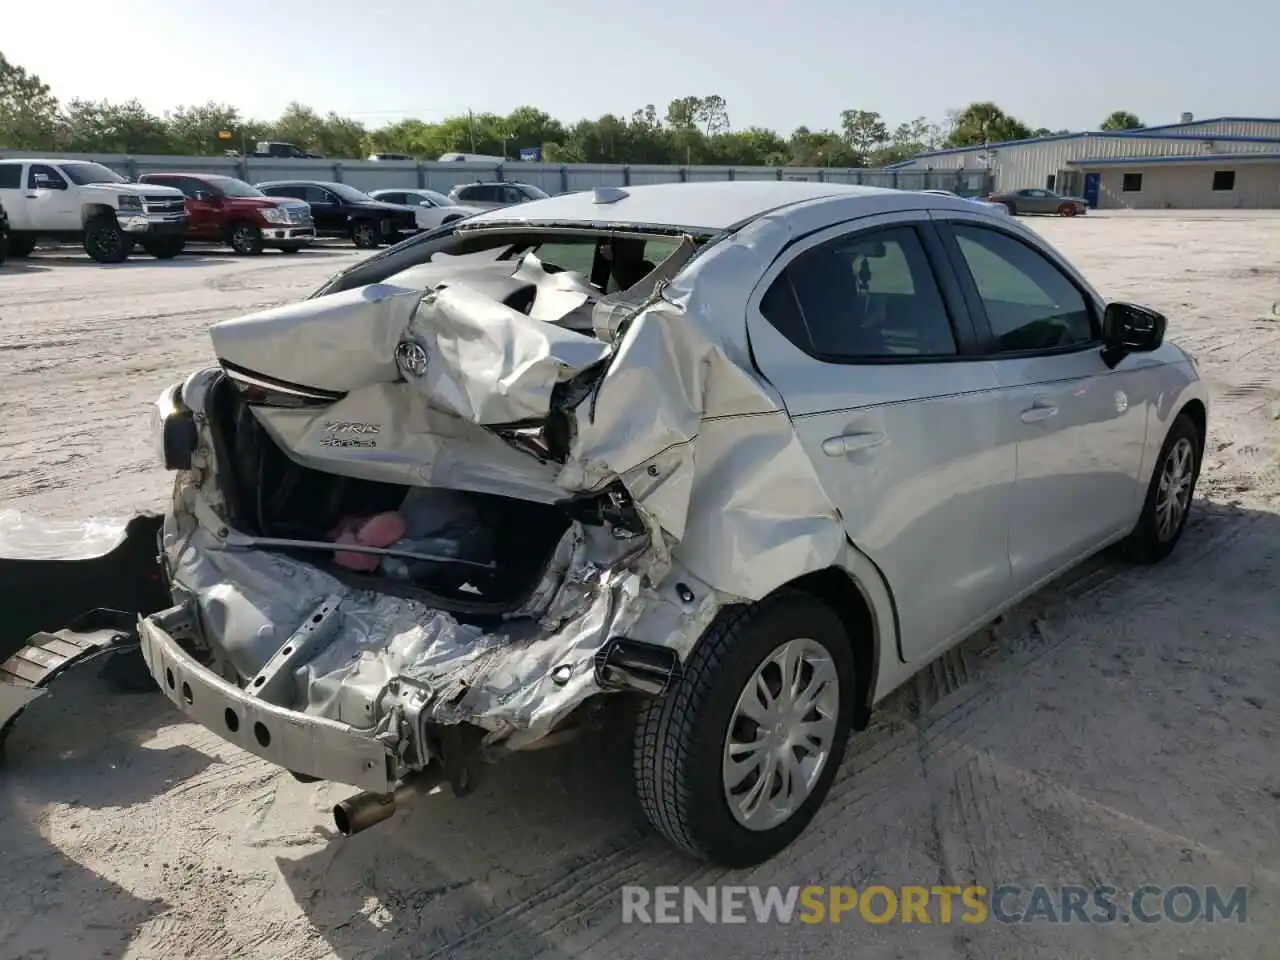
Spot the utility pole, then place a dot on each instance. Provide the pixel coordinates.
(471, 122)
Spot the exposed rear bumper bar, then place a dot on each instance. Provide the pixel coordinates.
(313, 746)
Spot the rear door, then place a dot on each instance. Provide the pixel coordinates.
(12, 195)
(862, 329)
(1081, 423)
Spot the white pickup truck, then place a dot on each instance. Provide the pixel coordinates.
(85, 202)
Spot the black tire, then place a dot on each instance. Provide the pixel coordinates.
(164, 248)
(245, 239)
(105, 242)
(290, 248)
(1147, 543)
(365, 234)
(680, 737)
(20, 247)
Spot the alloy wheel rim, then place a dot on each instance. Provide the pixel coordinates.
(243, 239)
(780, 734)
(108, 241)
(1173, 494)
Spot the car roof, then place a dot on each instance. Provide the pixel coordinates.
(302, 183)
(715, 205)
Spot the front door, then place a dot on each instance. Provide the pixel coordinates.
(1081, 424)
(1092, 182)
(51, 203)
(853, 327)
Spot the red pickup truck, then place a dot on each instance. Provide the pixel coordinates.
(228, 211)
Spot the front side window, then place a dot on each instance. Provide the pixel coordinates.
(1030, 303)
(42, 172)
(868, 296)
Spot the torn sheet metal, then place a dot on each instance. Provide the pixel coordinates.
(491, 364)
(700, 440)
(250, 602)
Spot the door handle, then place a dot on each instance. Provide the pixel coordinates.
(848, 443)
(32, 196)
(1040, 410)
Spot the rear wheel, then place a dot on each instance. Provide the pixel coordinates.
(245, 239)
(1168, 503)
(364, 234)
(733, 762)
(105, 242)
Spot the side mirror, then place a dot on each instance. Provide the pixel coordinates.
(1129, 328)
(204, 196)
(42, 181)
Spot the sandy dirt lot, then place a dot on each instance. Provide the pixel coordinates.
(1120, 728)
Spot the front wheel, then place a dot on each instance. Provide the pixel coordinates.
(734, 761)
(365, 234)
(246, 239)
(105, 242)
(1168, 504)
(1067, 210)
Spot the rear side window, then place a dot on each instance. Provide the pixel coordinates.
(10, 176)
(1030, 303)
(865, 296)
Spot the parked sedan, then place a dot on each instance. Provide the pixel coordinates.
(340, 210)
(498, 193)
(432, 208)
(1035, 200)
(480, 499)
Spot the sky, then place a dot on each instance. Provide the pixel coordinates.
(778, 65)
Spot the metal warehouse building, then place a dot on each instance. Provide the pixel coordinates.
(1226, 162)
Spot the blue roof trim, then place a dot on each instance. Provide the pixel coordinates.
(1214, 158)
(1144, 133)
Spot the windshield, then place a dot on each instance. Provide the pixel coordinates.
(81, 172)
(231, 187)
(437, 199)
(349, 194)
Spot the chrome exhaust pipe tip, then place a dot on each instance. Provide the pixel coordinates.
(364, 810)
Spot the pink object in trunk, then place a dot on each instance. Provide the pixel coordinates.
(380, 530)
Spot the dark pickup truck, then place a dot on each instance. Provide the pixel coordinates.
(228, 211)
(340, 210)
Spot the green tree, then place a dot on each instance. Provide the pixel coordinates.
(195, 130)
(28, 110)
(865, 132)
(1122, 120)
(98, 126)
(981, 123)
